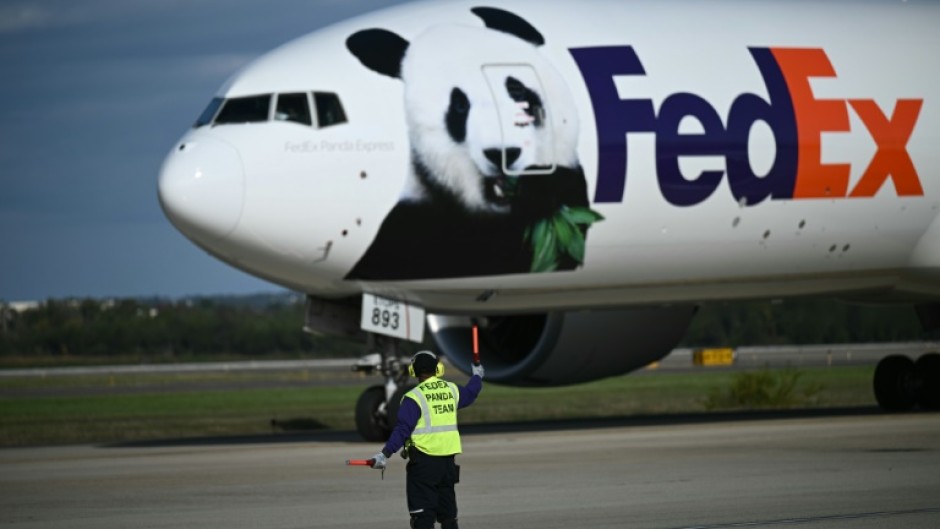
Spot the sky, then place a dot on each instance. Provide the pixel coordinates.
(93, 95)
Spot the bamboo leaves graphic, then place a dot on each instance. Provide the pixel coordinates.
(559, 235)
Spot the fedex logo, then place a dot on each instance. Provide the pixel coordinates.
(795, 116)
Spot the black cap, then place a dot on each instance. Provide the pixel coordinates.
(424, 363)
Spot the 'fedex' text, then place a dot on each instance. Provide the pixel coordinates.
(795, 116)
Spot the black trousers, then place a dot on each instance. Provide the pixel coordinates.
(430, 490)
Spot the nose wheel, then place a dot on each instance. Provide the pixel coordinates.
(377, 406)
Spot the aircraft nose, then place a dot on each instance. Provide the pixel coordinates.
(202, 188)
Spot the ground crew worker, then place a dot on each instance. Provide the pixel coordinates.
(427, 428)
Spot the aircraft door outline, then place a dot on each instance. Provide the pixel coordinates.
(523, 121)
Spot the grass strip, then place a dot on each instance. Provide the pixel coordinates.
(169, 409)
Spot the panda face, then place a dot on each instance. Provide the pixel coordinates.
(482, 105)
(471, 127)
(482, 157)
(523, 141)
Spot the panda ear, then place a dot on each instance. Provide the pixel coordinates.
(507, 22)
(379, 50)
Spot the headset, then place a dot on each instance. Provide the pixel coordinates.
(438, 371)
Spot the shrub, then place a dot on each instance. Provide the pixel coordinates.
(762, 390)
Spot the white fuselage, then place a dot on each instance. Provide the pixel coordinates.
(854, 210)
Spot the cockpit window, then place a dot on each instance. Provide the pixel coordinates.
(244, 110)
(329, 109)
(206, 117)
(293, 107)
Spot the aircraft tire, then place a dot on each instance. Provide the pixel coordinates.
(370, 421)
(895, 383)
(927, 368)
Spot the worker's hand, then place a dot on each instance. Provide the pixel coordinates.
(379, 461)
(477, 369)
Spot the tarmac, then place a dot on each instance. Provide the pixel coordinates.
(844, 469)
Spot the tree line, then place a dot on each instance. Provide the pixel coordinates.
(249, 326)
(802, 322)
(270, 326)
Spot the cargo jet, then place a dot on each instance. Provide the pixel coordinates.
(574, 179)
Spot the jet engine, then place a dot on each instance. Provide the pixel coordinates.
(560, 348)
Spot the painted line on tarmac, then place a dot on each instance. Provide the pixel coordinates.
(813, 519)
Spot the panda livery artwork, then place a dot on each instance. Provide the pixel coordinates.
(495, 186)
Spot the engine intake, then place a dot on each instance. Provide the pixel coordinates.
(559, 348)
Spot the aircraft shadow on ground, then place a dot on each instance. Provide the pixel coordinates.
(311, 431)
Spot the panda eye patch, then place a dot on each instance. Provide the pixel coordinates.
(456, 118)
(521, 93)
(517, 90)
(459, 101)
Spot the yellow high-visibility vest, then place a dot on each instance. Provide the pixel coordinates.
(436, 432)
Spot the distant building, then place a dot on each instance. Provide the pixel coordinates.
(23, 306)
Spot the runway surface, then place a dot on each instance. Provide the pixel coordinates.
(679, 359)
(860, 471)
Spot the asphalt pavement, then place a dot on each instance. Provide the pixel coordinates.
(840, 470)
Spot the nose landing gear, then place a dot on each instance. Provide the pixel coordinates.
(377, 407)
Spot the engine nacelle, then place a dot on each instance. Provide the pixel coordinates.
(560, 348)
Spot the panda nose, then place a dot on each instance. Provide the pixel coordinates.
(495, 156)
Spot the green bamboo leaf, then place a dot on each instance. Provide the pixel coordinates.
(538, 232)
(546, 264)
(576, 248)
(564, 230)
(545, 250)
(580, 215)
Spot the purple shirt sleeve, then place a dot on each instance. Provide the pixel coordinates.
(469, 393)
(409, 413)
